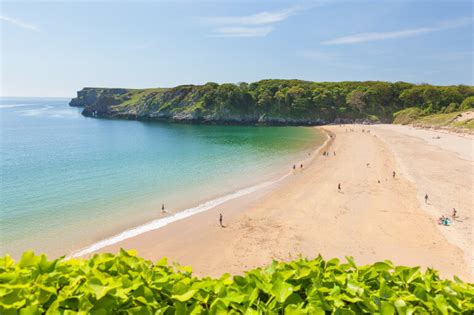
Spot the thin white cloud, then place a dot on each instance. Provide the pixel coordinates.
(377, 36)
(19, 23)
(369, 37)
(242, 31)
(254, 25)
(261, 18)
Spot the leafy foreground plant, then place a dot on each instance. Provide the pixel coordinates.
(126, 284)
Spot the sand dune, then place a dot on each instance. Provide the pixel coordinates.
(370, 220)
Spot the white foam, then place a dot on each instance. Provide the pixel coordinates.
(159, 223)
(34, 112)
(15, 105)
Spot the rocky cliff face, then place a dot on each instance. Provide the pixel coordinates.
(180, 104)
(272, 102)
(90, 96)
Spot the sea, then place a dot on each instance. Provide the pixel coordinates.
(72, 184)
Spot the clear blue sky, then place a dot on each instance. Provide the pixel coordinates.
(56, 48)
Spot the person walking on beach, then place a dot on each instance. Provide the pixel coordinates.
(294, 166)
(426, 198)
(334, 153)
(163, 208)
(454, 215)
(220, 220)
(339, 187)
(301, 166)
(393, 174)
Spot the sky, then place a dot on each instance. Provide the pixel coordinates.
(56, 48)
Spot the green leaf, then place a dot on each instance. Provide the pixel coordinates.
(351, 262)
(97, 288)
(282, 290)
(30, 310)
(387, 308)
(185, 296)
(354, 288)
(294, 310)
(382, 266)
(441, 304)
(27, 259)
(400, 305)
(218, 307)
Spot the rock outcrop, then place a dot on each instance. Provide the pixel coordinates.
(180, 104)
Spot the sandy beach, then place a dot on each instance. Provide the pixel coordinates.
(374, 216)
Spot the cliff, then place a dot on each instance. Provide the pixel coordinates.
(279, 102)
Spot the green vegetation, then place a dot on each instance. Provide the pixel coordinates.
(407, 116)
(459, 120)
(277, 100)
(126, 284)
(467, 103)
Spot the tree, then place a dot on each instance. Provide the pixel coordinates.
(379, 97)
(413, 97)
(356, 99)
(432, 96)
(265, 99)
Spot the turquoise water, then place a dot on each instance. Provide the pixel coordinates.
(68, 181)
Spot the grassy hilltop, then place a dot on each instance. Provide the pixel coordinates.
(275, 102)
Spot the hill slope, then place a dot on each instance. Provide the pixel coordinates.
(272, 101)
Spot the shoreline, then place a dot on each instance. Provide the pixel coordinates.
(107, 177)
(193, 210)
(305, 215)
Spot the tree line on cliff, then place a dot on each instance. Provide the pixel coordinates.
(373, 100)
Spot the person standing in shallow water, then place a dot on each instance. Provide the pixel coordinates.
(220, 220)
(163, 207)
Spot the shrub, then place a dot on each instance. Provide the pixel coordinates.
(468, 103)
(407, 115)
(451, 108)
(373, 118)
(126, 284)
